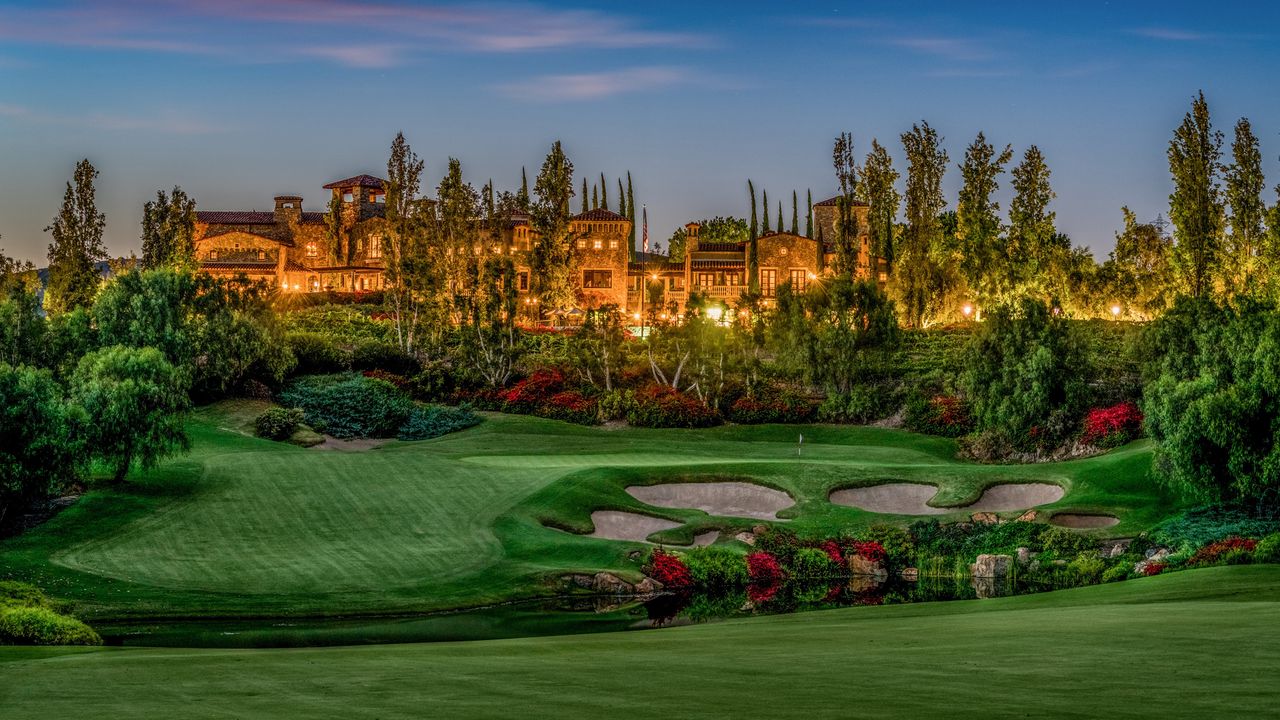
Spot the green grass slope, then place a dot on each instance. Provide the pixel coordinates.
(1198, 644)
(244, 526)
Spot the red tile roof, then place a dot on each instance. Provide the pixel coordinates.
(258, 267)
(235, 217)
(716, 264)
(313, 218)
(732, 247)
(599, 215)
(831, 202)
(368, 181)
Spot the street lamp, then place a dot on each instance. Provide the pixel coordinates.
(1115, 311)
(967, 310)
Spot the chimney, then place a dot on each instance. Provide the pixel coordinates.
(288, 209)
(691, 235)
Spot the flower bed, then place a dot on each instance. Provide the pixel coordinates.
(943, 415)
(659, 406)
(1112, 426)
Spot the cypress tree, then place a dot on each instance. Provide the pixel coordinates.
(808, 218)
(622, 200)
(795, 213)
(604, 193)
(595, 197)
(522, 197)
(584, 195)
(631, 215)
(764, 226)
(779, 216)
(753, 248)
(751, 189)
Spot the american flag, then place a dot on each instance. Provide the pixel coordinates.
(644, 236)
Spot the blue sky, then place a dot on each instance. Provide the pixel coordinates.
(239, 100)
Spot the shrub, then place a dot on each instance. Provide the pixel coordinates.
(350, 406)
(1064, 543)
(987, 446)
(278, 423)
(1201, 526)
(668, 569)
(1218, 552)
(1115, 573)
(1113, 426)
(42, 626)
(436, 420)
(399, 381)
(1153, 569)
(316, 353)
(659, 406)
(570, 406)
(1087, 568)
(20, 594)
(1268, 550)
(899, 548)
(943, 415)
(811, 563)
(833, 552)
(869, 550)
(528, 394)
(614, 404)
(434, 383)
(763, 569)
(375, 355)
(716, 568)
(771, 408)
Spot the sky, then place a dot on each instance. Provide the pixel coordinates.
(238, 101)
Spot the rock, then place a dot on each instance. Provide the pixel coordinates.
(1114, 548)
(859, 565)
(985, 518)
(1034, 566)
(909, 574)
(635, 555)
(648, 586)
(759, 529)
(1157, 554)
(1025, 556)
(604, 582)
(991, 566)
(859, 584)
(582, 581)
(746, 537)
(1028, 516)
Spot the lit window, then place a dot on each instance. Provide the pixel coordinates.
(597, 279)
(312, 250)
(582, 244)
(768, 282)
(798, 280)
(375, 246)
(597, 245)
(524, 281)
(613, 244)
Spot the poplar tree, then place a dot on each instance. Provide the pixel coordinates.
(846, 225)
(604, 193)
(987, 263)
(795, 213)
(879, 190)
(77, 245)
(921, 278)
(411, 277)
(1195, 206)
(753, 246)
(1034, 243)
(552, 260)
(1244, 183)
(168, 228)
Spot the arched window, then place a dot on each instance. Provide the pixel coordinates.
(313, 250)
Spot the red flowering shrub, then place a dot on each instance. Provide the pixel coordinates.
(1216, 552)
(398, 380)
(780, 408)
(660, 406)
(668, 569)
(833, 551)
(872, 551)
(571, 406)
(760, 594)
(944, 415)
(526, 395)
(1112, 426)
(763, 568)
(1153, 569)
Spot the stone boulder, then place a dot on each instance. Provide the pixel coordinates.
(609, 583)
(985, 518)
(991, 566)
(746, 537)
(909, 574)
(1025, 556)
(648, 586)
(859, 565)
(1029, 516)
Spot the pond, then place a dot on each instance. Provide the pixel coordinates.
(560, 616)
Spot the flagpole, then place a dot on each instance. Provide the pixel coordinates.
(644, 267)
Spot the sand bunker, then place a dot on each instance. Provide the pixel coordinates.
(1084, 522)
(617, 525)
(352, 445)
(912, 498)
(730, 499)
(706, 538)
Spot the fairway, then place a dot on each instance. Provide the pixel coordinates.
(244, 526)
(1197, 644)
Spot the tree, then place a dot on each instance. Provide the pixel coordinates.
(716, 230)
(987, 263)
(622, 200)
(584, 195)
(764, 202)
(808, 214)
(753, 247)
(878, 189)
(411, 274)
(77, 245)
(846, 223)
(168, 229)
(923, 275)
(1037, 257)
(779, 216)
(491, 343)
(1243, 255)
(1138, 275)
(455, 233)
(22, 330)
(631, 215)
(795, 213)
(1025, 375)
(136, 403)
(604, 193)
(41, 452)
(601, 346)
(1195, 206)
(552, 261)
(522, 197)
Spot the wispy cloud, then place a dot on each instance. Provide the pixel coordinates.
(346, 32)
(948, 48)
(1172, 34)
(163, 121)
(593, 86)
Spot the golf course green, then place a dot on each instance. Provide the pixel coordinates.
(242, 526)
(1196, 644)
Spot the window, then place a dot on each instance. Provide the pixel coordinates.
(769, 282)
(597, 244)
(348, 197)
(706, 279)
(582, 244)
(312, 250)
(613, 244)
(733, 278)
(676, 283)
(798, 280)
(524, 281)
(375, 246)
(597, 279)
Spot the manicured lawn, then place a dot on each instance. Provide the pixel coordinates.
(243, 526)
(1197, 644)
